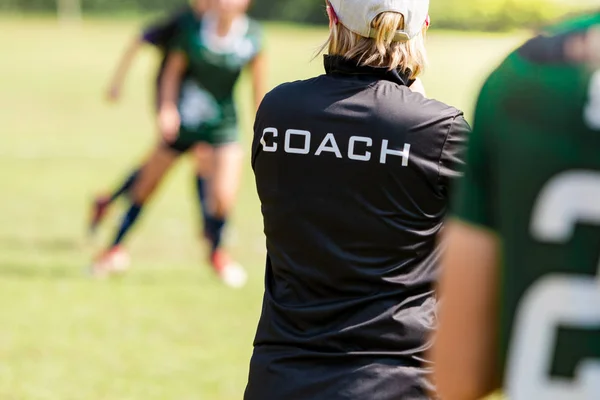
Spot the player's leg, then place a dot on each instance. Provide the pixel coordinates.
(102, 202)
(202, 154)
(126, 185)
(145, 185)
(149, 178)
(223, 187)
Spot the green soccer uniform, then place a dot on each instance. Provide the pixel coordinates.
(206, 101)
(533, 178)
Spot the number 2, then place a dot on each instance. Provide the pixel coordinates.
(558, 299)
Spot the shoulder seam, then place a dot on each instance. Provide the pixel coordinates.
(439, 177)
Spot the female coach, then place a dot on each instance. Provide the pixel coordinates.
(353, 170)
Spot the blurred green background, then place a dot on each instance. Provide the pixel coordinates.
(168, 329)
(447, 14)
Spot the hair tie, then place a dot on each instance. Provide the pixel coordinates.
(332, 15)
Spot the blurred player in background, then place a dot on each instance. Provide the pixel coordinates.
(159, 35)
(204, 62)
(520, 287)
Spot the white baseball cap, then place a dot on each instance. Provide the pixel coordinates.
(357, 15)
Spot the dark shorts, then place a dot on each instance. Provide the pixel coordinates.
(214, 136)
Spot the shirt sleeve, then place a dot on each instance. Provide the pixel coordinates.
(260, 40)
(178, 41)
(162, 33)
(256, 38)
(453, 155)
(473, 200)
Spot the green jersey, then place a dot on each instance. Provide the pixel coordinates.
(533, 178)
(206, 102)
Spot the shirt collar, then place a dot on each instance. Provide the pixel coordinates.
(222, 44)
(344, 66)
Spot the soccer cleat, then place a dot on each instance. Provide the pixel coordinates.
(114, 261)
(99, 209)
(231, 273)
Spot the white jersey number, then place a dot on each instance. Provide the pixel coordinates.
(591, 112)
(558, 299)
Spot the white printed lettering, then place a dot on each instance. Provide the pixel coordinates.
(358, 157)
(288, 138)
(299, 141)
(273, 147)
(567, 200)
(592, 108)
(405, 154)
(331, 148)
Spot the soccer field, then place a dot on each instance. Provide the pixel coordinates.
(169, 329)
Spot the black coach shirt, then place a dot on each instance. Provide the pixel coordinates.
(353, 171)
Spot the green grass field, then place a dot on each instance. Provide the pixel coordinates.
(169, 329)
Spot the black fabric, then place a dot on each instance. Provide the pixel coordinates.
(178, 147)
(341, 65)
(160, 35)
(351, 234)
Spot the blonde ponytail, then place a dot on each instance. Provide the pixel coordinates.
(380, 51)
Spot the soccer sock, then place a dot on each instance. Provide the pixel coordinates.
(214, 228)
(126, 185)
(201, 189)
(128, 221)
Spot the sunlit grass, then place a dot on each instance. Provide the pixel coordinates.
(168, 330)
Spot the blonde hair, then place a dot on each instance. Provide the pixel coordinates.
(380, 51)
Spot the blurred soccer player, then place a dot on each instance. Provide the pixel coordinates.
(521, 287)
(160, 36)
(197, 105)
(353, 170)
